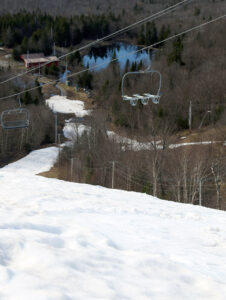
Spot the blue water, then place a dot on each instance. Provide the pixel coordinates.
(101, 56)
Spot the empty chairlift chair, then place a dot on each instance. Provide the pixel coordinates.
(15, 118)
(146, 95)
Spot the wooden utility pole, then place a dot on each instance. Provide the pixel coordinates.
(56, 133)
(113, 174)
(72, 167)
(200, 192)
(190, 115)
(58, 154)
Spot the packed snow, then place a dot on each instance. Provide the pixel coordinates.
(62, 240)
(63, 105)
(36, 162)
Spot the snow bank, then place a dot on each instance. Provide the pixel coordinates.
(172, 146)
(132, 144)
(72, 130)
(138, 146)
(63, 105)
(61, 240)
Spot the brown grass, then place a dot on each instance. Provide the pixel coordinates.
(80, 95)
(52, 173)
(205, 134)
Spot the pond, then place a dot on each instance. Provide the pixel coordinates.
(101, 56)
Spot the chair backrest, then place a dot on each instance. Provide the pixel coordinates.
(15, 118)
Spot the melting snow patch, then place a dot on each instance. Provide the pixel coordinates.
(63, 105)
(73, 131)
(132, 144)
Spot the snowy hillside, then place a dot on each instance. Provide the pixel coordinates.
(61, 241)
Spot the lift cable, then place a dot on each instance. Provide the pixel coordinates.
(112, 35)
(122, 56)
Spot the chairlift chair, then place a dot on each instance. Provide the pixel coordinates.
(15, 118)
(145, 96)
(132, 100)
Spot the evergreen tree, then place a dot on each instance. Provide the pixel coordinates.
(8, 38)
(176, 54)
(27, 99)
(126, 66)
(151, 34)
(16, 54)
(164, 32)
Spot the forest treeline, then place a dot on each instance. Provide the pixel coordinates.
(191, 174)
(39, 32)
(78, 7)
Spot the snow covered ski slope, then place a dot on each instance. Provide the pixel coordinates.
(61, 241)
